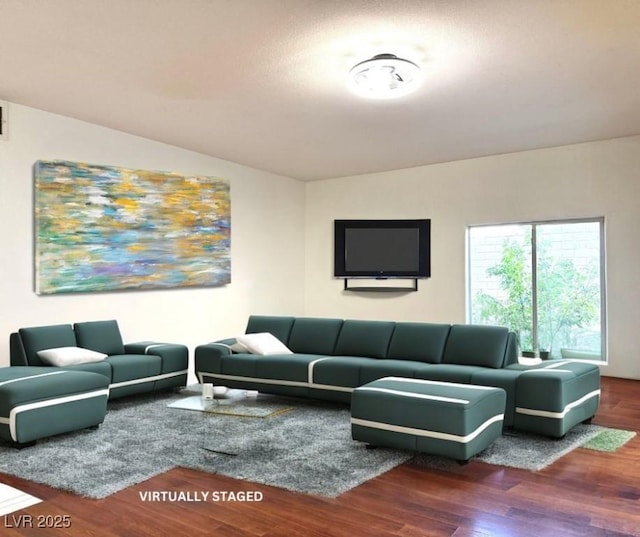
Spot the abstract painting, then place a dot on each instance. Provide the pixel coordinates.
(105, 228)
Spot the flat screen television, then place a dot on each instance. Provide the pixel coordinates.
(382, 248)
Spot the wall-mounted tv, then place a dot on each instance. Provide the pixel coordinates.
(382, 249)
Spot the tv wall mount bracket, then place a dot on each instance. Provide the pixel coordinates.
(382, 289)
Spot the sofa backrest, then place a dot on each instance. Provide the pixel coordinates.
(100, 336)
(472, 344)
(422, 342)
(364, 338)
(17, 355)
(463, 344)
(314, 335)
(279, 326)
(513, 350)
(38, 338)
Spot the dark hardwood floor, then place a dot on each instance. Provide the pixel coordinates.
(584, 494)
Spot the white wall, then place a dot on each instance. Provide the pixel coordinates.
(267, 214)
(585, 180)
(282, 242)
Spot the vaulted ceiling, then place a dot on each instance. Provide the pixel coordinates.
(262, 82)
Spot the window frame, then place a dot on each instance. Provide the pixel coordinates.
(534, 224)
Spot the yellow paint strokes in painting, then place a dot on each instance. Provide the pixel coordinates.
(103, 227)
(67, 225)
(130, 182)
(127, 203)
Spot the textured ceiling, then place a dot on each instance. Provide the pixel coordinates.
(262, 82)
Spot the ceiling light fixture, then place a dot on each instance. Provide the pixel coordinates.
(385, 76)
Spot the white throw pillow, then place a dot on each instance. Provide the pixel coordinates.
(263, 343)
(61, 356)
(238, 347)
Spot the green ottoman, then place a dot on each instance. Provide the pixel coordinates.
(37, 402)
(439, 418)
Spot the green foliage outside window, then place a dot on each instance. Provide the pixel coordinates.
(568, 297)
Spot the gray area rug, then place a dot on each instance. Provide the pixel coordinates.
(307, 449)
(522, 450)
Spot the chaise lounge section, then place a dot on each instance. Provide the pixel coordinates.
(328, 358)
(37, 402)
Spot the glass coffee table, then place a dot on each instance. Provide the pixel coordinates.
(225, 416)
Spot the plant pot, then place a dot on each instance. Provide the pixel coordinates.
(543, 355)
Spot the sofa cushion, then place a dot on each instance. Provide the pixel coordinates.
(103, 368)
(476, 345)
(276, 325)
(100, 336)
(377, 369)
(289, 367)
(61, 356)
(134, 366)
(240, 365)
(338, 371)
(364, 338)
(37, 338)
(29, 384)
(461, 374)
(263, 343)
(314, 336)
(422, 342)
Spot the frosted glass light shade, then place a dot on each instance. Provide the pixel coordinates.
(384, 76)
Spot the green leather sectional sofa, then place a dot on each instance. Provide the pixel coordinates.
(40, 396)
(131, 368)
(328, 358)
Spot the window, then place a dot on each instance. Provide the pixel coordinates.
(545, 281)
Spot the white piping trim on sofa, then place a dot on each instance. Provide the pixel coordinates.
(297, 383)
(429, 434)
(223, 345)
(312, 365)
(310, 384)
(549, 368)
(414, 395)
(148, 379)
(19, 379)
(146, 349)
(251, 379)
(557, 415)
(11, 420)
(331, 387)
